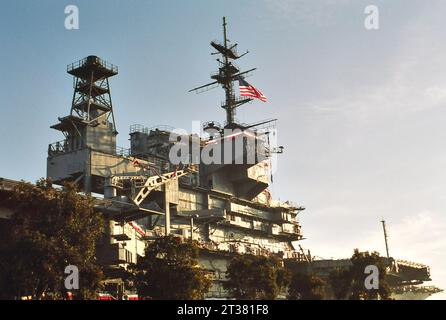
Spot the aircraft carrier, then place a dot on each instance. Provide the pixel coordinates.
(225, 206)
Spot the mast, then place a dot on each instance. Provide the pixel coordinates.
(228, 85)
(227, 73)
(385, 237)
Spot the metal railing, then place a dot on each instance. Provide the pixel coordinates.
(211, 124)
(92, 60)
(124, 152)
(236, 100)
(58, 147)
(143, 129)
(63, 147)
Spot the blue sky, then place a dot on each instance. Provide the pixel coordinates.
(361, 113)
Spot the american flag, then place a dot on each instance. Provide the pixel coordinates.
(248, 90)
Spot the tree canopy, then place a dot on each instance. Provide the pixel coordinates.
(306, 286)
(360, 261)
(48, 230)
(256, 277)
(169, 271)
(340, 283)
(350, 283)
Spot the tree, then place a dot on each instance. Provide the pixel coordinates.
(169, 271)
(256, 277)
(49, 230)
(306, 286)
(360, 260)
(340, 283)
(350, 283)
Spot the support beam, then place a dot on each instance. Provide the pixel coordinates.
(87, 174)
(156, 181)
(167, 214)
(191, 229)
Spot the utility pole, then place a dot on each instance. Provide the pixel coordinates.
(385, 237)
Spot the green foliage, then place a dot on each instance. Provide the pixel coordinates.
(360, 260)
(49, 230)
(169, 271)
(349, 284)
(256, 277)
(340, 282)
(305, 286)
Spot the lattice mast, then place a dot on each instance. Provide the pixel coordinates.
(90, 124)
(91, 98)
(226, 75)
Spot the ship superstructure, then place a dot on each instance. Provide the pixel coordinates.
(225, 205)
